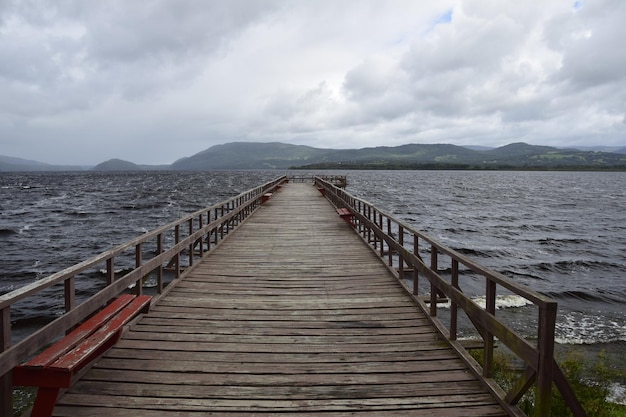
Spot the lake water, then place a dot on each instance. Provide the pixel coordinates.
(560, 233)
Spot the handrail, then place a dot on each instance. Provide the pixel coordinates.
(196, 234)
(399, 245)
(337, 180)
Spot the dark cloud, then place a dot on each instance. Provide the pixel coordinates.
(85, 81)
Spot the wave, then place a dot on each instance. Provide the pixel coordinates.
(577, 328)
(8, 232)
(575, 265)
(502, 301)
(600, 295)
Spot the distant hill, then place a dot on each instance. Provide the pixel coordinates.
(276, 155)
(8, 163)
(117, 165)
(250, 155)
(613, 149)
(242, 155)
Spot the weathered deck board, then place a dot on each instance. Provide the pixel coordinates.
(293, 314)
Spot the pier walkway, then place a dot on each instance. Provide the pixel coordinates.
(292, 314)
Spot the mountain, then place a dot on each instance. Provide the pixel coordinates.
(242, 155)
(276, 155)
(512, 156)
(8, 163)
(117, 165)
(614, 149)
(250, 155)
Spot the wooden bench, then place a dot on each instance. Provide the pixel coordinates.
(265, 197)
(55, 367)
(346, 214)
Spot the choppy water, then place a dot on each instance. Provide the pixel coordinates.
(561, 233)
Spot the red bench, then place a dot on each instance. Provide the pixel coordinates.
(347, 215)
(55, 367)
(265, 197)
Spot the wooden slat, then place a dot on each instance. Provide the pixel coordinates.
(292, 314)
(79, 334)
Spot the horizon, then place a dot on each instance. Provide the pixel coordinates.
(89, 81)
(83, 165)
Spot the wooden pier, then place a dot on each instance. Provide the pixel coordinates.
(282, 319)
(291, 313)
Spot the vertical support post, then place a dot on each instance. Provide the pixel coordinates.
(160, 269)
(200, 241)
(110, 271)
(190, 223)
(545, 345)
(177, 256)
(369, 229)
(415, 270)
(491, 308)
(221, 223)
(6, 380)
(400, 257)
(69, 296)
(389, 251)
(454, 280)
(69, 289)
(215, 230)
(433, 290)
(382, 241)
(138, 260)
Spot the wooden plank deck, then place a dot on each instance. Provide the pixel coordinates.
(292, 314)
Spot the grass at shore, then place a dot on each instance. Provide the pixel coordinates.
(591, 381)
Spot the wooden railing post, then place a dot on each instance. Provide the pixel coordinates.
(160, 269)
(222, 224)
(190, 223)
(454, 281)
(138, 260)
(400, 257)
(69, 289)
(177, 256)
(389, 251)
(6, 380)
(368, 214)
(415, 270)
(433, 290)
(110, 271)
(379, 223)
(490, 306)
(545, 371)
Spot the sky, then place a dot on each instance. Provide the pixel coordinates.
(152, 81)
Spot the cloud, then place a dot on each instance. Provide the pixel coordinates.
(85, 81)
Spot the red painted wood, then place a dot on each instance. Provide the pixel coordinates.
(53, 369)
(102, 339)
(346, 214)
(83, 331)
(343, 212)
(266, 197)
(45, 401)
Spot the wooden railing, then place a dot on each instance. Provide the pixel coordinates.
(400, 246)
(174, 247)
(336, 180)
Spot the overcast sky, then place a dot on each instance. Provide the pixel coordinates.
(85, 81)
